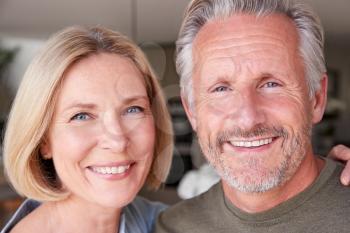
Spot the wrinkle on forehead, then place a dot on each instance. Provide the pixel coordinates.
(243, 31)
(273, 24)
(246, 39)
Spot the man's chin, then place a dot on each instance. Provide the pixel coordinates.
(257, 184)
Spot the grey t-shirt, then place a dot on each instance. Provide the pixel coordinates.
(323, 207)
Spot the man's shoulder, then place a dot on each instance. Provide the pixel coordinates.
(334, 191)
(198, 203)
(183, 208)
(186, 214)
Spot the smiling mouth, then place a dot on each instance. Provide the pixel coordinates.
(110, 170)
(251, 143)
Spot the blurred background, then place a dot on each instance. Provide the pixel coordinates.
(154, 24)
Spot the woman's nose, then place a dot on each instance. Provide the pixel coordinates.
(114, 135)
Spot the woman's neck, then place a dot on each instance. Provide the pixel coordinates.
(77, 215)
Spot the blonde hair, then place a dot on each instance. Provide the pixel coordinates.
(33, 108)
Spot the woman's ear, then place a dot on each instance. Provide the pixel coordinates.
(45, 150)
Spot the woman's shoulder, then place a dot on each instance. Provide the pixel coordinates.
(141, 214)
(138, 216)
(146, 206)
(27, 207)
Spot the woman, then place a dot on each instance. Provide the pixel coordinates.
(88, 128)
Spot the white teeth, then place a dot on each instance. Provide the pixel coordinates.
(255, 143)
(121, 169)
(111, 170)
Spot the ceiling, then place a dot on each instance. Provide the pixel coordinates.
(143, 20)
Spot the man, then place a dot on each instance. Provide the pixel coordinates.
(254, 83)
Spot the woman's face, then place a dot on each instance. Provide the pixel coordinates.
(102, 135)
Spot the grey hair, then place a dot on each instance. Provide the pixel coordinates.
(200, 12)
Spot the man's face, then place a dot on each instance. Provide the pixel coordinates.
(253, 114)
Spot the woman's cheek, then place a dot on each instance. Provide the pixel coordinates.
(142, 138)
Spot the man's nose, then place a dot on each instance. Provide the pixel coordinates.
(114, 135)
(248, 111)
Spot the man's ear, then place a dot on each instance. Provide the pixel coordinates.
(189, 112)
(319, 101)
(45, 149)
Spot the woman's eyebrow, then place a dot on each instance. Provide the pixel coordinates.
(130, 99)
(79, 105)
(125, 100)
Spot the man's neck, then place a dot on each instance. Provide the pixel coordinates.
(257, 202)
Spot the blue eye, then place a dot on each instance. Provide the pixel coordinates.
(82, 116)
(221, 89)
(134, 109)
(271, 84)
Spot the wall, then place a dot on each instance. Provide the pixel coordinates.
(160, 56)
(27, 49)
(162, 59)
(338, 58)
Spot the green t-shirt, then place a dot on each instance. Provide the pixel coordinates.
(323, 207)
